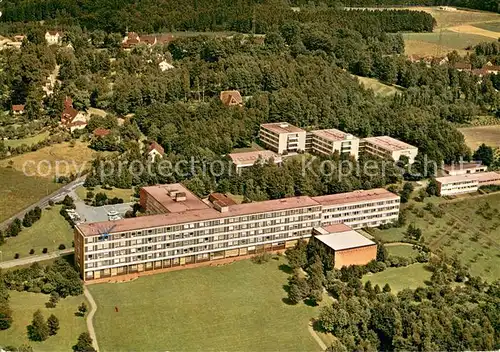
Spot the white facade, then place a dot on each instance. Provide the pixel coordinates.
(282, 137)
(388, 147)
(53, 38)
(327, 142)
(468, 183)
(216, 232)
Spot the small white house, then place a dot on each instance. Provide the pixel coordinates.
(165, 66)
(53, 37)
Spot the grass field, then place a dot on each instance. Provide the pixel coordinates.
(462, 232)
(18, 191)
(59, 159)
(380, 89)
(125, 194)
(489, 26)
(13, 143)
(475, 136)
(402, 251)
(411, 276)
(439, 44)
(236, 307)
(48, 232)
(24, 304)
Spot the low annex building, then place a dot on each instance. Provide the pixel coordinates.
(348, 246)
(464, 168)
(181, 229)
(466, 183)
(247, 159)
(388, 147)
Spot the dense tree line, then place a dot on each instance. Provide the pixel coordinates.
(201, 15)
(58, 277)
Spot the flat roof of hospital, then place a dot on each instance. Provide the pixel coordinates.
(388, 143)
(478, 176)
(251, 157)
(161, 194)
(333, 134)
(356, 197)
(342, 238)
(175, 218)
(281, 127)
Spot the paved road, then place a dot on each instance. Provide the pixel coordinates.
(90, 317)
(45, 201)
(34, 258)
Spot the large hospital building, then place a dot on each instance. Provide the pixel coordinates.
(181, 229)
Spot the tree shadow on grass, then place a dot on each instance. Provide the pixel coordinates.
(286, 269)
(311, 303)
(287, 301)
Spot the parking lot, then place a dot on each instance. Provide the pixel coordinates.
(88, 213)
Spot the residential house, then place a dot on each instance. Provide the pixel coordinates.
(71, 118)
(53, 37)
(101, 132)
(155, 151)
(18, 109)
(165, 66)
(231, 98)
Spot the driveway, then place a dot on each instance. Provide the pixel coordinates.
(95, 214)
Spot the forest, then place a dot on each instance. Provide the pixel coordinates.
(243, 16)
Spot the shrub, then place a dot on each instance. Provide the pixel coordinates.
(45, 250)
(62, 246)
(32, 251)
(261, 258)
(16, 256)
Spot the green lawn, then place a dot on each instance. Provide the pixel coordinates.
(18, 191)
(489, 26)
(126, 194)
(13, 143)
(236, 307)
(379, 89)
(448, 39)
(24, 304)
(411, 276)
(50, 231)
(462, 232)
(402, 251)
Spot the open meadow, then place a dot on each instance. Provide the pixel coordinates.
(13, 143)
(48, 232)
(411, 276)
(46, 162)
(469, 228)
(379, 89)
(439, 44)
(24, 304)
(19, 191)
(235, 307)
(475, 136)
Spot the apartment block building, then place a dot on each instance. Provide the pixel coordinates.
(282, 137)
(466, 183)
(327, 142)
(186, 230)
(390, 148)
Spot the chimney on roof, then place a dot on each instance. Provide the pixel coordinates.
(220, 207)
(284, 125)
(172, 192)
(180, 196)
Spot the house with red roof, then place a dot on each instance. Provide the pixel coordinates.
(18, 109)
(101, 132)
(155, 150)
(231, 98)
(71, 118)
